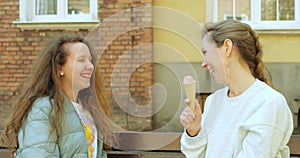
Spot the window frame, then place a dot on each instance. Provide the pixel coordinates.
(27, 13)
(256, 22)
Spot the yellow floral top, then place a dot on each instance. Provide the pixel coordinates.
(89, 129)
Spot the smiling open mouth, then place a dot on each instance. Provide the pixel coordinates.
(86, 75)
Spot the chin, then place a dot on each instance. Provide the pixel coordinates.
(82, 87)
(86, 86)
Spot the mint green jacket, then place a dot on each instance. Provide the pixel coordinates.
(35, 140)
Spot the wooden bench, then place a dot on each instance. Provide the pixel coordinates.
(155, 145)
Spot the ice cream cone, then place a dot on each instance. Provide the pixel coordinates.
(190, 90)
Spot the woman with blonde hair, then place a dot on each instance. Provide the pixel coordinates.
(245, 119)
(61, 110)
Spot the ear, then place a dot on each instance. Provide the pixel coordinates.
(228, 45)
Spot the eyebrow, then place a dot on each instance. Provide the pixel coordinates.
(83, 55)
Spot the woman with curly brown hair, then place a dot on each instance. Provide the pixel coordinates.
(245, 119)
(61, 110)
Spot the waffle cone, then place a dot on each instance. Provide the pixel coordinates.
(190, 91)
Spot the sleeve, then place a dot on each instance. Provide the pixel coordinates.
(101, 153)
(269, 130)
(34, 138)
(195, 147)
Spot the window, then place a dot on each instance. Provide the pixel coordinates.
(260, 14)
(58, 11)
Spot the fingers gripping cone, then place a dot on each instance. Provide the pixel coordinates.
(190, 90)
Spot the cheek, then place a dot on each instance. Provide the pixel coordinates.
(77, 68)
(72, 73)
(212, 59)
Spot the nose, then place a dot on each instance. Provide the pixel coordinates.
(204, 64)
(90, 66)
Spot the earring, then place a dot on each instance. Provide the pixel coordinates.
(61, 74)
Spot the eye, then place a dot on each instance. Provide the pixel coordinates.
(81, 60)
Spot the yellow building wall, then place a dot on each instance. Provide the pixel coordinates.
(281, 48)
(183, 19)
(277, 47)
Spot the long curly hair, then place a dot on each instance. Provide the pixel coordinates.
(45, 80)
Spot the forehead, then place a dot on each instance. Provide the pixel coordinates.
(207, 41)
(76, 48)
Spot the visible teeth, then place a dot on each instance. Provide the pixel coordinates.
(85, 75)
